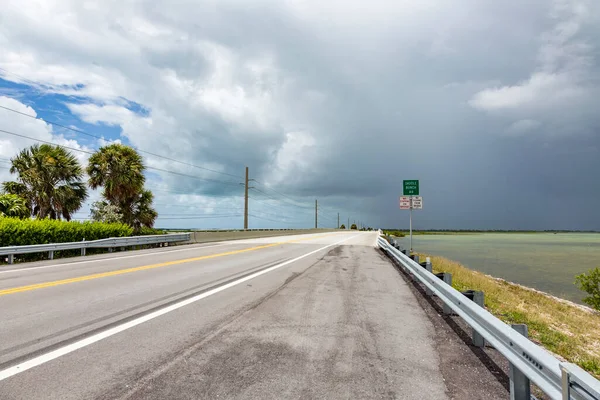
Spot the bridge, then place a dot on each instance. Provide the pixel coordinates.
(319, 315)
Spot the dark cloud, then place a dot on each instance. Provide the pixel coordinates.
(491, 105)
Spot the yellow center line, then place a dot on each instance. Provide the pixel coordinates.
(145, 267)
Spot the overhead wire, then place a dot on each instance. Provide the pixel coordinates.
(89, 152)
(279, 203)
(272, 220)
(102, 138)
(287, 200)
(293, 204)
(201, 217)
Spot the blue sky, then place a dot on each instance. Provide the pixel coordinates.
(54, 109)
(490, 105)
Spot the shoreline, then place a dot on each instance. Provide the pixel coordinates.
(569, 330)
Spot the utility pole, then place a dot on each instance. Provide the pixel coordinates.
(338, 227)
(348, 227)
(246, 187)
(246, 202)
(316, 215)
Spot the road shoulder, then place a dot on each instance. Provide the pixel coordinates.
(346, 327)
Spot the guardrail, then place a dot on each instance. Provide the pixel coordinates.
(559, 380)
(109, 243)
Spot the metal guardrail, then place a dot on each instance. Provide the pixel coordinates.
(110, 243)
(559, 380)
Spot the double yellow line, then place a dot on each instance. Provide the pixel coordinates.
(36, 286)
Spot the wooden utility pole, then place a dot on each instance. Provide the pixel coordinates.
(348, 227)
(316, 214)
(246, 202)
(338, 227)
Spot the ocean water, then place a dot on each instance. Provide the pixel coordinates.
(545, 261)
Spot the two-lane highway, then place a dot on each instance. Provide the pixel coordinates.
(307, 316)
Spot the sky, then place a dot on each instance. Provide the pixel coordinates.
(492, 106)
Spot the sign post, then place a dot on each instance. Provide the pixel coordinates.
(411, 249)
(411, 188)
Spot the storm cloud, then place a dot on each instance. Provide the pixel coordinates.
(492, 105)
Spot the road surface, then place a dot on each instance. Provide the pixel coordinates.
(307, 316)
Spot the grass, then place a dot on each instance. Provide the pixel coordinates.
(567, 329)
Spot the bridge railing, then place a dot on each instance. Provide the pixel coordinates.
(110, 243)
(559, 380)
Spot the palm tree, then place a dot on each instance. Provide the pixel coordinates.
(49, 179)
(120, 171)
(12, 205)
(142, 213)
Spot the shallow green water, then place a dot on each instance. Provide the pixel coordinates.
(545, 261)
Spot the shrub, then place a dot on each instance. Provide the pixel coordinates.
(590, 283)
(144, 230)
(20, 232)
(395, 233)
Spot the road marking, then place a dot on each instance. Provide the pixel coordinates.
(44, 358)
(25, 269)
(42, 285)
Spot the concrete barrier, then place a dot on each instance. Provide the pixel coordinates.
(217, 236)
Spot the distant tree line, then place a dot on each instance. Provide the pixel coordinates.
(493, 230)
(50, 184)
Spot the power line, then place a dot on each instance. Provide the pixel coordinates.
(309, 209)
(275, 191)
(202, 217)
(291, 198)
(272, 220)
(194, 177)
(45, 141)
(102, 138)
(293, 204)
(198, 208)
(89, 152)
(282, 204)
(281, 207)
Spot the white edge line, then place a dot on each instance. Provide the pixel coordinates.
(25, 269)
(44, 358)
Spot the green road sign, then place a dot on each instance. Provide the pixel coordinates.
(411, 188)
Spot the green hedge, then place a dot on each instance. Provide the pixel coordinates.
(20, 232)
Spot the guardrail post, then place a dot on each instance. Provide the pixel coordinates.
(520, 389)
(478, 340)
(565, 383)
(477, 297)
(51, 255)
(447, 278)
(83, 248)
(427, 265)
(11, 258)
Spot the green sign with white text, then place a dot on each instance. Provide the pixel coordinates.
(411, 188)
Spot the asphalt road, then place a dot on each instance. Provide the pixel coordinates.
(307, 316)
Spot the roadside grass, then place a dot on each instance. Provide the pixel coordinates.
(567, 329)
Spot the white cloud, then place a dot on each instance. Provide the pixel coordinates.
(563, 71)
(107, 114)
(24, 127)
(318, 97)
(11, 145)
(541, 90)
(293, 157)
